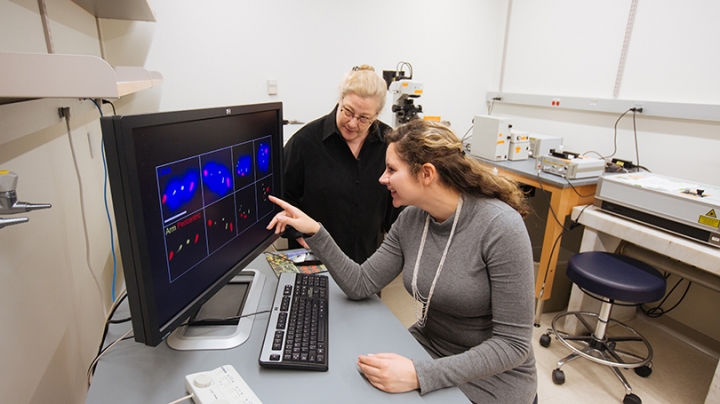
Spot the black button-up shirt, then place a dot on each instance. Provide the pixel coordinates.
(325, 180)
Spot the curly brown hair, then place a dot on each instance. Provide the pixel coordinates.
(420, 141)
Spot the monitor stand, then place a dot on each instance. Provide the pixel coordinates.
(209, 337)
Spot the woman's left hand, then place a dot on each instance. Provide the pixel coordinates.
(389, 372)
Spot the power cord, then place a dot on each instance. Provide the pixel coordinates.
(189, 396)
(576, 191)
(93, 365)
(214, 321)
(102, 351)
(547, 199)
(491, 104)
(637, 149)
(624, 164)
(465, 136)
(658, 311)
(108, 321)
(105, 199)
(111, 104)
(64, 112)
(575, 223)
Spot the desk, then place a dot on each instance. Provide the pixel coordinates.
(604, 232)
(563, 199)
(134, 373)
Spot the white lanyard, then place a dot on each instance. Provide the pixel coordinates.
(421, 303)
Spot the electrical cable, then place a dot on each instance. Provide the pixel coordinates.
(108, 319)
(65, 113)
(491, 104)
(111, 104)
(637, 149)
(592, 151)
(576, 191)
(398, 69)
(573, 225)
(216, 320)
(614, 137)
(635, 136)
(657, 311)
(179, 400)
(465, 136)
(102, 351)
(124, 320)
(91, 369)
(547, 199)
(105, 199)
(615, 134)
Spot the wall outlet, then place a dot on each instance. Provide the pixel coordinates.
(272, 86)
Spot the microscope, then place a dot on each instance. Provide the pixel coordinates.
(9, 204)
(404, 92)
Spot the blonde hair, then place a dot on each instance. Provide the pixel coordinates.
(364, 82)
(420, 141)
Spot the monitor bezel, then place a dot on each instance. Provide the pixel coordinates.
(130, 223)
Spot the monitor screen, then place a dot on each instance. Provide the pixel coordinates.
(190, 194)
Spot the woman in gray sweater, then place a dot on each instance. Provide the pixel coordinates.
(464, 255)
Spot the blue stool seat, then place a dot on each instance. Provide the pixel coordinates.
(616, 277)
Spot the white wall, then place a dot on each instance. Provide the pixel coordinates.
(222, 52)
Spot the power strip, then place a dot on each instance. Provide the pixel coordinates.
(220, 386)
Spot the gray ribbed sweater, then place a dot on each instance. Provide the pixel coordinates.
(479, 325)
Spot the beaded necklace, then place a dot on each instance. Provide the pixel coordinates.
(420, 302)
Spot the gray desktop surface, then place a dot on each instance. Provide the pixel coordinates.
(134, 373)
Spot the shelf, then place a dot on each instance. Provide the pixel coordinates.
(135, 10)
(131, 79)
(28, 76)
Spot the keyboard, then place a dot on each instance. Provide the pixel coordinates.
(297, 332)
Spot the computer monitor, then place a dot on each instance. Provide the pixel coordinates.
(190, 194)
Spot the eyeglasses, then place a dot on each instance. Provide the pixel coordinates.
(350, 115)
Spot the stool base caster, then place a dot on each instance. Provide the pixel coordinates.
(631, 399)
(644, 371)
(545, 340)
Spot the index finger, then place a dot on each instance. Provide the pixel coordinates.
(279, 202)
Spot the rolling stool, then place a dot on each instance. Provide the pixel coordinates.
(609, 277)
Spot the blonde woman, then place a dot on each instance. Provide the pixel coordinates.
(465, 257)
(332, 165)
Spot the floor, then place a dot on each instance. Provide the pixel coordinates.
(681, 372)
